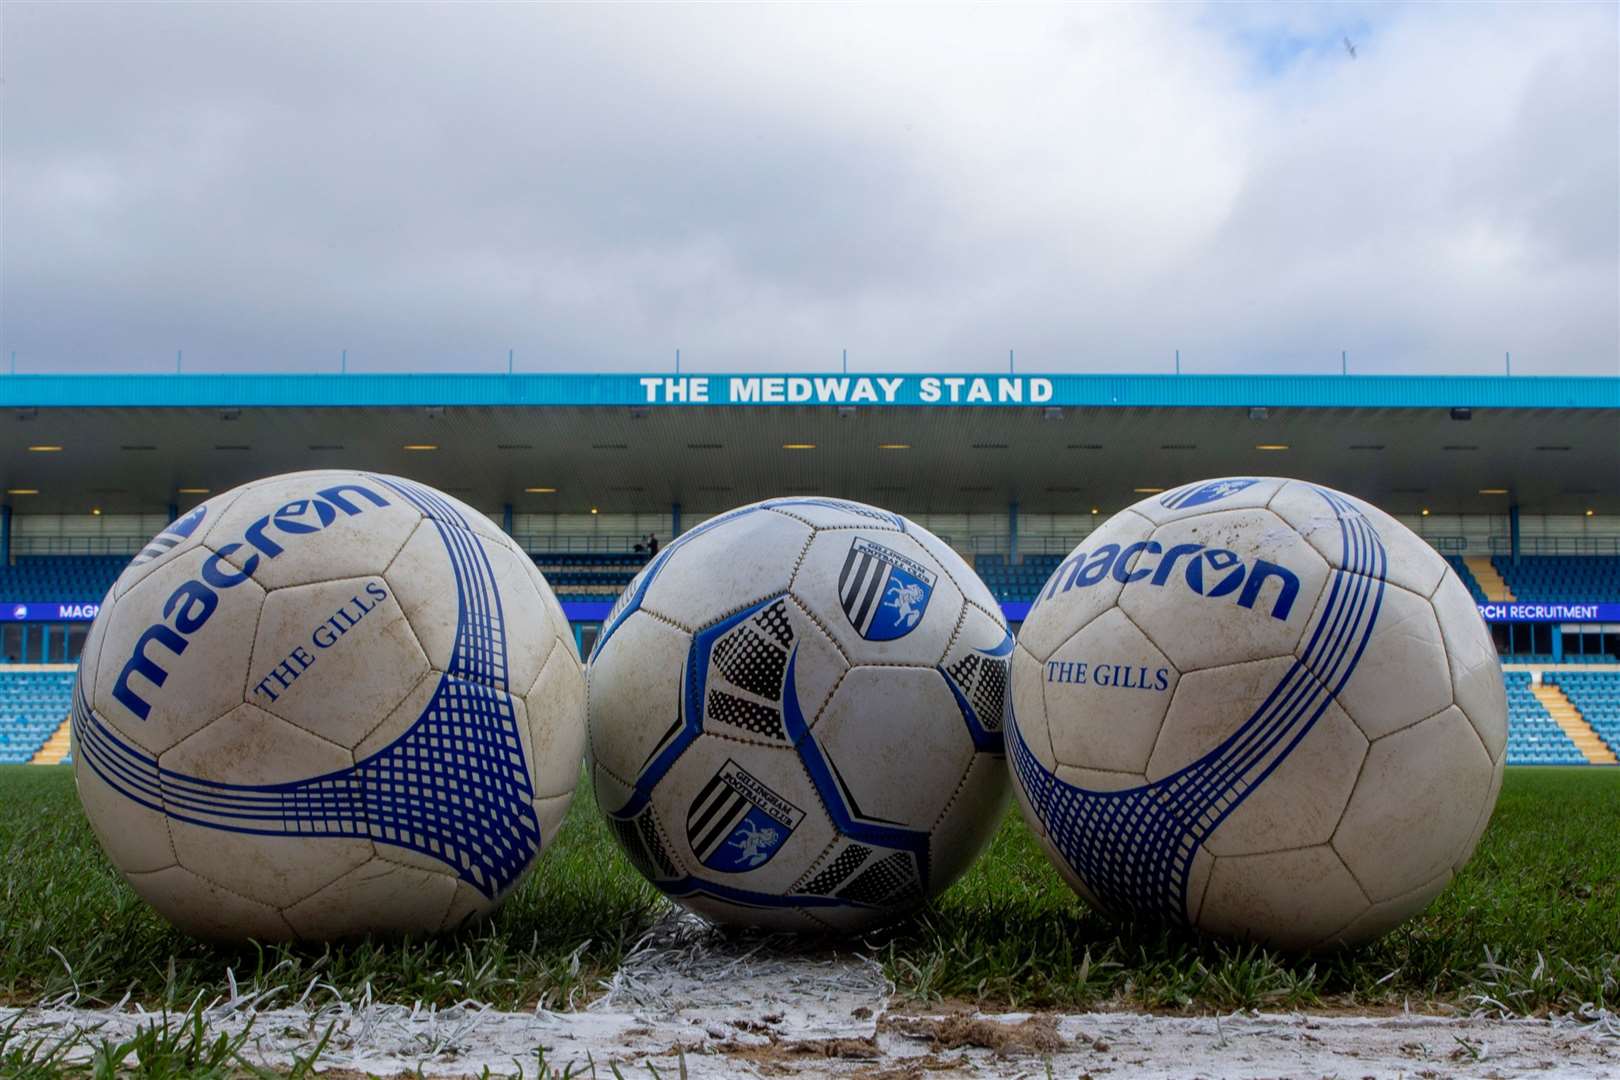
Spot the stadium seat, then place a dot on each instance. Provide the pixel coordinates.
(1560, 578)
(60, 578)
(1534, 738)
(33, 705)
(1597, 695)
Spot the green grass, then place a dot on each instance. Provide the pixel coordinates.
(1532, 924)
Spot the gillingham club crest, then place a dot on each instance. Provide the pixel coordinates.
(883, 593)
(736, 823)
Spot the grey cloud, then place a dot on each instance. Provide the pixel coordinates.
(595, 186)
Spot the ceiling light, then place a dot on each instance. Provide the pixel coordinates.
(191, 491)
(1424, 511)
(1271, 446)
(1589, 511)
(421, 446)
(541, 490)
(593, 510)
(22, 491)
(44, 449)
(798, 446)
(1095, 511)
(95, 511)
(1148, 491)
(894, 446)
(1493, 491)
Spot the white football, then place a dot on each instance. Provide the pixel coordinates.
(795, 716)
(327, 703)
(1259, 707)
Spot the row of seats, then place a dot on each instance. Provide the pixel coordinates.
(32, 706)
(1560, 578)
(1597, 695)
(1460, 568)
(60, 578)
(589, 577)
(1567, 658)
(1534, 738)
(1016, 581)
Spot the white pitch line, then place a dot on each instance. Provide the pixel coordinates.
(729, 1011)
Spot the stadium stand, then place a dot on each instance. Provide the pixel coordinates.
(33, 705)
(64, 578)
(588, 575)
(1466, 573)
(1560, 578)
(1016, 581)
(1596, 694)
(1534, 737)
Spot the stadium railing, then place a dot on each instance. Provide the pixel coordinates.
(77, 545)
(538, 544)
(1557, 545)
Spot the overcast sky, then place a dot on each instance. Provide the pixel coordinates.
(264, 185)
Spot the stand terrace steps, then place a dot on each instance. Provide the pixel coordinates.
(55, 748)
(1496, 588)
(1568, 717)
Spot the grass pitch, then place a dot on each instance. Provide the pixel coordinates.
(1531, 925)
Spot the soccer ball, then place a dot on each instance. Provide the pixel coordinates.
(795, 716)
(1259, 707)
(327, 703)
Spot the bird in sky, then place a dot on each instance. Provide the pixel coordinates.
(1350, 48)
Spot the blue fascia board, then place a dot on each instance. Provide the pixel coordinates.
(586, 390)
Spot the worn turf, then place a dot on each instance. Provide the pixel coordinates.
(1532, 924)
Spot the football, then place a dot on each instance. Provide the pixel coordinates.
(1259, 707)
(324, 704)
(795, 716)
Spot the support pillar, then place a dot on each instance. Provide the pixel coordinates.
(174, 512)
(5, 536)
(674, 520)
(1513, 532)
(506, 518)
(1012, 532)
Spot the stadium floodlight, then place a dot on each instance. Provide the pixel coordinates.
(191, 491)
(22, 491)
(894, 446)
(421, 447)
(1271, 446)
(1147, 490)
(1493, 491)
(798, 446)
(541, 490)
(45, 449)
